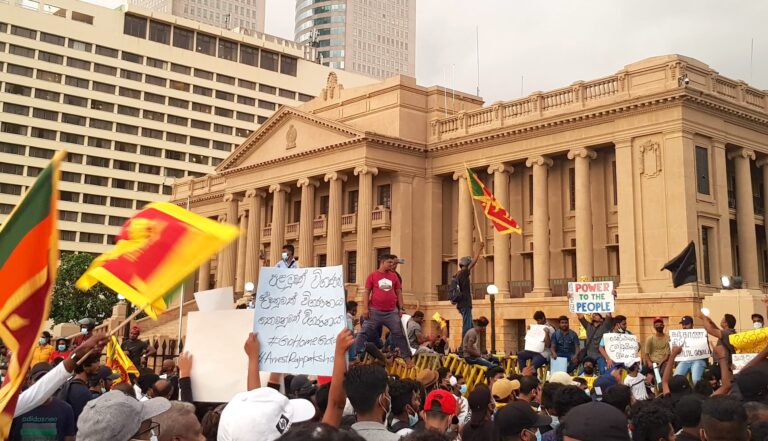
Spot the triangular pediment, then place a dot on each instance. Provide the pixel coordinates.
(289, 132)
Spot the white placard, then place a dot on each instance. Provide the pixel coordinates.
(560, 364)
(589, 297)
(218, 299)
(299, 313)
(694, 342)
(215, 339)
(622, 348)
(534, 338)
(741, 360)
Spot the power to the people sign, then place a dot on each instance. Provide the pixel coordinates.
(590, 297)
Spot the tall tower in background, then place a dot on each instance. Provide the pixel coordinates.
(227, 14)
(375, 38)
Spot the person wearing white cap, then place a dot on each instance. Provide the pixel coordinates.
(262, 414)
(115, 416)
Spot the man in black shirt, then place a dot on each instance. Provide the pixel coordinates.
(76, 392)
(464, 305)
(136, 349)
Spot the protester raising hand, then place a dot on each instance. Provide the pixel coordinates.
(251, 348)
(185, 376)
(337, 399)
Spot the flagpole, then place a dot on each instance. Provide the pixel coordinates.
(115, 329)
(474, 209)
(181, 298)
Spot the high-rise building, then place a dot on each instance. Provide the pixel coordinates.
(227, 14)
(138, 100)
(375, 38)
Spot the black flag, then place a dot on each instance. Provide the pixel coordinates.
(683, 266)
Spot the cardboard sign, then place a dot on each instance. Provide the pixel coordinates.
(589, 297)
(741, 360)
(622, 348)
(694, 342)
(560, 364)
(299, 313)
(534, 338)
(217, 299)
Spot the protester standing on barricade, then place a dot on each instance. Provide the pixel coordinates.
(538, 359)
(383, 306)
(464, 305)
(656, 348)
(287, 259)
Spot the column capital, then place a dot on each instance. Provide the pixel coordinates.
(304, 182)
(242, 214)
(500, 167)
(275, 188)
(222, 218)
(333, 176)
(539, 160)
(762, 162)
(366, 169)
(582, 152)
(741, 152)
(229, 197)
(460, 174)
(252, 193)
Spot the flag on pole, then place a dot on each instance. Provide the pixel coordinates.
(683, 266)
(119, 362)
(28, 261)
(491, 207)
(155, 251)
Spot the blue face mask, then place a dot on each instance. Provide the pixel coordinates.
(538, 435)
(62, 348)
(555, 422)
(463, 389)
(413, 419)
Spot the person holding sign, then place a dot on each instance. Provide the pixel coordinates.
(565, 344)
(695, 367)
(383, 306)
(534, 350)
(619, 327)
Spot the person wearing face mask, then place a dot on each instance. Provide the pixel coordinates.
(368, 392)
(86, 331)
(102, 381)
(405, 407)
(619, 327)
(42, 350)
(589, 372)
(287, 260)
(61, 350)
(656, 349)
(458, 388)
(757, 321)
(518, 422)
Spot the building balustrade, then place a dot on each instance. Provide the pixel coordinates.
(266, 234)
(349, 223)
(382, 218)
(320, 226)
(292, 231)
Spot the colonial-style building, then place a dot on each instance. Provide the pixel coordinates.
(608, 178)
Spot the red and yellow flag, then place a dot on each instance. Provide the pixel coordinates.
(28, 261)
(119, 362)
(155, 251)
(491, 207)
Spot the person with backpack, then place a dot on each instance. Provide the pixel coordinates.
(76, 392)
(460, 292)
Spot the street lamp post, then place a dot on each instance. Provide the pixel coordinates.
(249, 288)
(492, 290)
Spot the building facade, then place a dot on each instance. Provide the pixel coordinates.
(137, 101)
(375, 38)
(609, 179)
(225, 14)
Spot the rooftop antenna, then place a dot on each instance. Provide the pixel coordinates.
(522, 80)
(226, 21)
(477, 44)
(453, 88)
(751, 57)
(445, 94)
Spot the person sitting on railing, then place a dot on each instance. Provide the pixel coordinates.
(538, 359)
(472, 352)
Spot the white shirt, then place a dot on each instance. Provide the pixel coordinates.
(43, 389)
(637, 384)
(282, 264)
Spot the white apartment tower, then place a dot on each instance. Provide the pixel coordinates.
(371, 37)
(226, 14)
(138, 99)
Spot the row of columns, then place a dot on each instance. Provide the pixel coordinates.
(239, 262)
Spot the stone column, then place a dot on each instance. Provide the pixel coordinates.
(220, 257)
(433, 224)
(720, 186)
(278, 221)
(585, 263)
(501, 242)
(241, 251)
(763, 164)
(335, 250)
(365, 174)
(254, 199)
(540, 165)
(204, 276)
(306, 230)
(745, 217)
(230, 252)
(402, 230)
(464, 227)
(625, 176)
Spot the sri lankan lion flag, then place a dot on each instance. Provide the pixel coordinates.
(491, 207)
(119, 362)
(155, 251)
(28, 261)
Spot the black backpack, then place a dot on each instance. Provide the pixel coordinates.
(454, 290)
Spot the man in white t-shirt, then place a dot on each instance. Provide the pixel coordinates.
(538, 359)
(637, 383)
(287, 260)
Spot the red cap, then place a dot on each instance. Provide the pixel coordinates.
(445, 399)
(658, 319)
(321, 380)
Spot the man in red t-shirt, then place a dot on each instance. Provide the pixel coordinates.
(383, 306)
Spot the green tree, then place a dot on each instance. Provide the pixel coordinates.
(69, 304)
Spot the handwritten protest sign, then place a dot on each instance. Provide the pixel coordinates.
(589, 297)
(622, 348)
(741, 360)
(534, 338)
(694, 342)
(299, 313)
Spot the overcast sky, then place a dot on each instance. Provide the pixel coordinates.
(556, 42)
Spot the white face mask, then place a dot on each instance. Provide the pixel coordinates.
(84, 331)
(285, 256)
(42, 340)
(757, 325)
